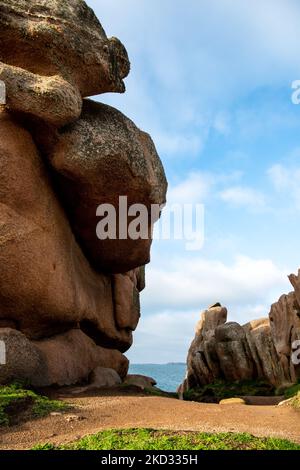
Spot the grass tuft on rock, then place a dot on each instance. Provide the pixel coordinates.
(18, 403)
(149, 439)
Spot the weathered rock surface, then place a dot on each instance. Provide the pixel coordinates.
(285, 326)
(101, 377)
(233, 352)
(72, 356)
(127, 301)
(74, 303)
(102, 143)
(113, 359)
(261, 349)
(54, 53)
(202, 364)
(141, 381)
(51, 99)
(23, 360)
(59, 289)
(60, 360)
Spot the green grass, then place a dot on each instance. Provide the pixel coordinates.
(292, 391)
(221, 389)
(16, 402)
(149, 439)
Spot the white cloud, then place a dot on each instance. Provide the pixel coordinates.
(222, 123)
(164, 337)
(182, 54)
(240, 196)
(170, 144)
(195, 282)
(195, 188)
(286, 180)
(184, 71)
(279, 176)
(257, 122)
(180, 289)
(198, 186)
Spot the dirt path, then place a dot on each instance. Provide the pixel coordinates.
(95, 413)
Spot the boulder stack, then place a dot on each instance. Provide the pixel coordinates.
(69, 301)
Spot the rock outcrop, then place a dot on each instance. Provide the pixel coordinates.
(69, 300)
(262, 349)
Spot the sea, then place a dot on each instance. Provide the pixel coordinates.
(168, 376)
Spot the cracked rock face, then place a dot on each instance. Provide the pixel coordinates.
(71, 299)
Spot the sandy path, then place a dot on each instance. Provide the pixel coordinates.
(102, 412)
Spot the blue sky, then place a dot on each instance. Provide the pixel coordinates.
(211, 82)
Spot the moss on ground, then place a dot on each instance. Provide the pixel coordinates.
(18, 404)
(149, 439)
(221, 389)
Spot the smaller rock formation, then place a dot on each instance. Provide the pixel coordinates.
(101, 377)
(141, 381)
(259, 350)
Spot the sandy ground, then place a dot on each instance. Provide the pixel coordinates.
(94, 413)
